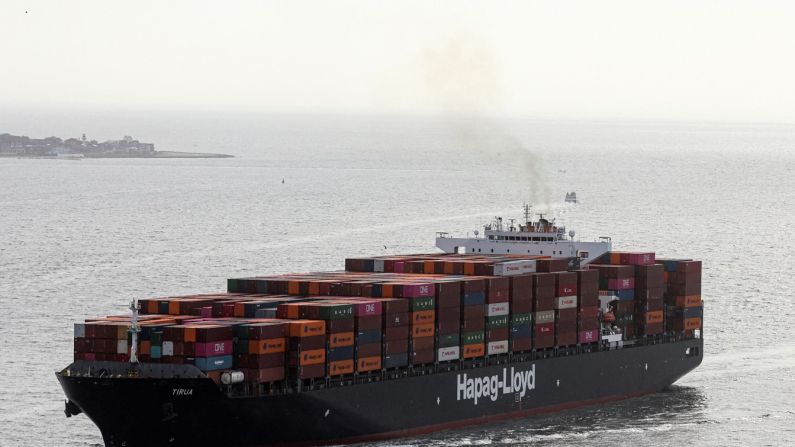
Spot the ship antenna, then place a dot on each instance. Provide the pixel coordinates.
(527, 207)
(134, 307)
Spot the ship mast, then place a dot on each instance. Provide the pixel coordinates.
(134, 307)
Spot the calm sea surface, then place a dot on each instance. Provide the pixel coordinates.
(80, 239)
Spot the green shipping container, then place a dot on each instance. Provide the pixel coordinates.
(497, 322)
(522, 319)
(336, 311)
(242, 346)
(156, 339)
(449, 340)
(474, 338)
(425, 303)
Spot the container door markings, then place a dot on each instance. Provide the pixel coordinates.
(326, 415)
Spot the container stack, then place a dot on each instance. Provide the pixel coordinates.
(498, 314)
(448, 320)
(422, 317)
(566, 308)
(473, 314)
(264, 357)
(395, 318)
(544, 309)
(375, 317)
(683, 296)
(649, 305)
(307, 349)
(588, 305)
(521, 306)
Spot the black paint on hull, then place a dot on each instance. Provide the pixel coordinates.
(150, 413)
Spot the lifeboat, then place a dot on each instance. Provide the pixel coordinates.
(608, 317)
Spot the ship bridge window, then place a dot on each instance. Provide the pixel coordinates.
(524, 238)
(536, 239)
(511, 238)
(491, 237)
(500, 238)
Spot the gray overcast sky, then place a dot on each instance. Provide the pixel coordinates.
(690, 60)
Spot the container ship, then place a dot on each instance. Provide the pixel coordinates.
(518, 321)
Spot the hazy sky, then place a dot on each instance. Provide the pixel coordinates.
(690, 60)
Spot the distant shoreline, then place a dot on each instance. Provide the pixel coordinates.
(156, 154)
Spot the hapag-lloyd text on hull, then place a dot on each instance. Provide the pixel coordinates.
(490, 386)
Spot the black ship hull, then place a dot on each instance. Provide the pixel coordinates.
(194, 412)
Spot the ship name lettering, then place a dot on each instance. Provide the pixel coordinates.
(513, 381)
(182, 392)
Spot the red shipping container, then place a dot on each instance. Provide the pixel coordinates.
(499, 296)
(449, 313)
(567, 290)
(396, 333)
(589, 312)
(266, 375)
(397, 346)
(614, 271)
(448, 327)
(544, 342)
(373, 349)
(588, 288)
(688, 301)
(338, 326)
(545, 329)
(445, 301)
(521, 344)
(688, 266)
(421, 344)
(544, 292)
(585, 276)
(638, 258)
(521, 294)
(567, 339)
(396, 319)
(497, 334)
(368, 323)
(470, 312)
(589, 300)
(552, 265)
(566, 314)
(311, 371)
(687, 277)
(265, 360)
(688, 289)
(566, 327)
(544, 305)
(522, 307)
(590, 324)
(422, 357)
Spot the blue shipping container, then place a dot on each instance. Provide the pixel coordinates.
(213, 363)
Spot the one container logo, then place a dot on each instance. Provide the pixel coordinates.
(490, 387)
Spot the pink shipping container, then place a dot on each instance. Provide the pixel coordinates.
(589, 336)
(621, 284)
(418, 290)
(213, 349)
(641, 258)
(365, 308)
(399, 267)
(207, 312)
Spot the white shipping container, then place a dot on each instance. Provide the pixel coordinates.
(378, 265)
(498, 347)
(547, 316)
(80, 330)
(497, 309)
(509, 268)
(121, 346)
(529, 266)
(168, 348)
(444, 354)
(566, 302)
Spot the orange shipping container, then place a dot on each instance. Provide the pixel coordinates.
(313, 357)
(386, 291)
(654, 317)
(688, 301)
(314, 288)
(692, 323)
(469, 268)
(368, 364)
(340, 340)
(340, 367)
(190, 334)
(478, 350)
(307, 328)
(615, 258)
(292, 288)
(422, 317)
(146, 347)
(266, 346)
(423, 330)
